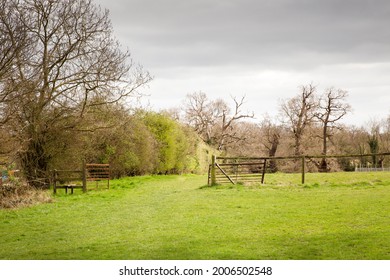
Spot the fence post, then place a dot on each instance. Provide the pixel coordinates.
(303, 169)
(84, 171)
(54, 175)
(213, 177)
(263, 172)
(109, 176)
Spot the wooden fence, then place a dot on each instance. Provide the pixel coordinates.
(236, 170)
(74, 179)
(371, 169)
(251, 169)
(98, 172)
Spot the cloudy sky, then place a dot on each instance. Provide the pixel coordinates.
(262, 49)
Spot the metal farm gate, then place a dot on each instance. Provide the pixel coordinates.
(225, 170)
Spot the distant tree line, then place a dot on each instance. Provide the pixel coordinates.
(308, 123)
(134, 142)
(65, 86)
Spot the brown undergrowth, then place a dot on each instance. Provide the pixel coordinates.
(16, 194)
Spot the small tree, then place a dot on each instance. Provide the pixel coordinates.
(331, 109)
(199, 114)
(214, 120)
(299, 113)
(271, 134)
(374, 141)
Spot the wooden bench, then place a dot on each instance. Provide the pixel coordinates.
(69, 179)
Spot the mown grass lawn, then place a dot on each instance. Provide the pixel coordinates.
(334, 216)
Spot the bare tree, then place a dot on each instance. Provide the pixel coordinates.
(229, 118)
(12, 37)
(12, 40)
(386, 134)
(214, 120)
(68, 63)
(299, 113)
(331, 109)
(271, 133)
(199, 114)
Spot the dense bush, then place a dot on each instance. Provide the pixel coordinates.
(136, 143)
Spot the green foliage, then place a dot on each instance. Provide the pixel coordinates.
(136, 143)
(373, 142)
(170, 143)
(177, 145)
(129, 147)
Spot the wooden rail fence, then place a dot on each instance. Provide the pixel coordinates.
(253, 169)
(77, 179)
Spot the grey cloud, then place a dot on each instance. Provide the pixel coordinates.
(230, 45)
(281, 33)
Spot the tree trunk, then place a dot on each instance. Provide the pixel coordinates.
(324, 165)
(34, 162)
(297, 152)
(272, 152)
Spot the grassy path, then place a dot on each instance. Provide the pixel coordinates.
(174, 217)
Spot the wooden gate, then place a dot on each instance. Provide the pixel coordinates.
(98, 172)
(225, 170)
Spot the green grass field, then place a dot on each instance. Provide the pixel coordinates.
(334, 216)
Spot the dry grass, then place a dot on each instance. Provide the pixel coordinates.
(17, 194)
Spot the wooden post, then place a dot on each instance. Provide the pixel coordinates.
(209, 176)
(303, 169)
(236, 170)
(84, 176)
(263, 171)
(109, 177)
(55, 181)
(213, 176)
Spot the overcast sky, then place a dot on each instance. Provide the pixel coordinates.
(262, 49)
